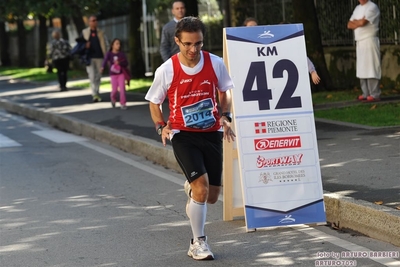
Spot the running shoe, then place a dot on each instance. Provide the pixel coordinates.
(199, 249)
(96, 98)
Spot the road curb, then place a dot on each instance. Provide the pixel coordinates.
(376, 221)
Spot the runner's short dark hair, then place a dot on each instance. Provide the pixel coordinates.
(189, 24)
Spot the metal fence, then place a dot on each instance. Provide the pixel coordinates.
(332, 16)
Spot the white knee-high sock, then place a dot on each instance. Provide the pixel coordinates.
(197, 214)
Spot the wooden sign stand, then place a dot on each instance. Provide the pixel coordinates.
(230, 155)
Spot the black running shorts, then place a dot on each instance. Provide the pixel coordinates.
(198, 153)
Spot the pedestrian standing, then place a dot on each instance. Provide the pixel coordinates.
(96, 43)
(168, 46)
(60, 54)
(314, 75)
(117, 61)
(192, 80)
(365, 23)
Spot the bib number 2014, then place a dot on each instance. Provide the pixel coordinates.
(262, 94)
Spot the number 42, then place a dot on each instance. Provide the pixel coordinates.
(262, 94)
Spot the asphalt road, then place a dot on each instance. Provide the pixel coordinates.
(70, 201)
(356, 161)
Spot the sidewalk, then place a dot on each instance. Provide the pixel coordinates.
(359, 165)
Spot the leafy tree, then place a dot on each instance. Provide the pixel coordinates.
(13, 11)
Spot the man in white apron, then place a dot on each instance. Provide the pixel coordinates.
(365, 23)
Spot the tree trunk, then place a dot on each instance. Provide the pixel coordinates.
(77, 18)
(4, 45)
(304, 12)
(43, 38)
(192, 8)
(226, 11)
(64, 32)
(22, 61)
(137, 66)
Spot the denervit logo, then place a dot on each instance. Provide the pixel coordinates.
(277, 143)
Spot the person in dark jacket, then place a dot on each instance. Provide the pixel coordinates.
(168, 46)
(81, 51)
(60, 52)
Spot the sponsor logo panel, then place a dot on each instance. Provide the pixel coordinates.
(275, 126)
(257, 145)
(287, 176)
(294, 159)
(268, 160)
(277, 143)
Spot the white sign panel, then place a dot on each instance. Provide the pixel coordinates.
(277, 144)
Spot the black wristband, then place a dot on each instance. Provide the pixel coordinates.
(160, 128)
(228, 115)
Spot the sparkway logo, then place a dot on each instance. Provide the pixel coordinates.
(290, 160)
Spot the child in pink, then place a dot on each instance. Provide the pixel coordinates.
(117, 61)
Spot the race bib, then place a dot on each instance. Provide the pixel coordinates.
(199, 115)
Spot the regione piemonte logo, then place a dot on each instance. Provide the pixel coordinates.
(260, 127)
(277, 143)
(276, 126)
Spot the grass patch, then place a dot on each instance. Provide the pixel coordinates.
(373, 114)
(348, 95)
(38, 74)
(41, 75)
(137, 85)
